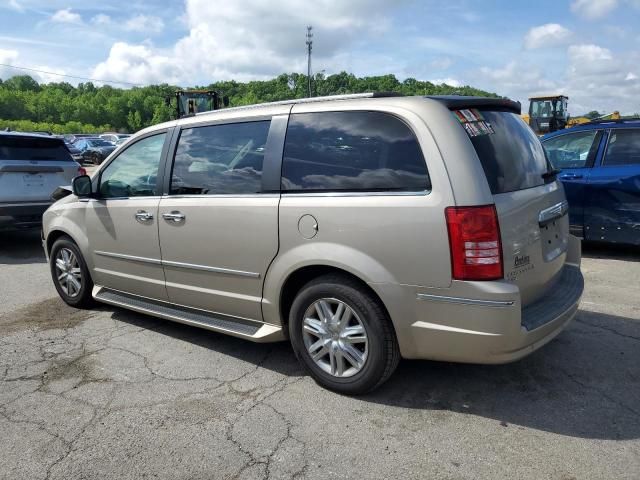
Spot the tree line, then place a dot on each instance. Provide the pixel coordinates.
(61, 107)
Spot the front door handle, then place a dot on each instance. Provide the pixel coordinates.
(571, 176)
(174, 216)
(143, 216)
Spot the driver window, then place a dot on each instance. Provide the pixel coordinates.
(220, 159)
(570, 151)
(134, 172)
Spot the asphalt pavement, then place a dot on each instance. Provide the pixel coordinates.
(108, 393)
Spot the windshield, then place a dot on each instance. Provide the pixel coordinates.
(542, 108)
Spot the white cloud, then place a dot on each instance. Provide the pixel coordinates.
(66, 16)
(588, 53)
(593, 9)
(144, 24)
(137, 64)
(548, 35)
(595, 78)
(15, 5)
(8, 57)
(447, 81)
(101, 19)
(254, 39)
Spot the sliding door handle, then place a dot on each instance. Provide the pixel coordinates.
(143, 216)
(174, 216)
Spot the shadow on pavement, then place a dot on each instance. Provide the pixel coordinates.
(611, 251)
(583, 384)
(21, 247)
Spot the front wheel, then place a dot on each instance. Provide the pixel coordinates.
(70, 273)
(342, 335)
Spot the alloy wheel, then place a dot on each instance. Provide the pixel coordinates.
(335, 337)
(68, 272)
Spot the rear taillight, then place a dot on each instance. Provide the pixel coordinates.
(474, 241)
(82, 171)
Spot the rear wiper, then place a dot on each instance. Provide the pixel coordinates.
(550, 176)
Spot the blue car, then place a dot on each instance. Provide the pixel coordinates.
(599, 165)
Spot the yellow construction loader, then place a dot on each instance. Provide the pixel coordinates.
(548, 113)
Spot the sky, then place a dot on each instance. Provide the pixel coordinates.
(586, 49)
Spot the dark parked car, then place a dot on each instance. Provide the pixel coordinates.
(75, 152)
(600, 170)
(94, 149)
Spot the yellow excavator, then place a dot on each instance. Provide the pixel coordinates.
(548, 113)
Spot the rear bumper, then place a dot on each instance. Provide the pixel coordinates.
(22, 214)
(483, 322)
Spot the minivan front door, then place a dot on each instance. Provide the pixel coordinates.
(122, 223)
(218, 230)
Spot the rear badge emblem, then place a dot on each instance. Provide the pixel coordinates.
(521, 261)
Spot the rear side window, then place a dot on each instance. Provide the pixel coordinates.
(623, 148)
(573, 150)
(351, 151)
(220, 159)
(30, 148)
(511, 154)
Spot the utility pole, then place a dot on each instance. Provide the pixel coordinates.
(309, 43)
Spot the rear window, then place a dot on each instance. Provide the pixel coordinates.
(31, 148)
(511, 154)
(352, 151)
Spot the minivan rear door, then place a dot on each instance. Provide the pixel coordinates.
(531, 204)
(32, 167)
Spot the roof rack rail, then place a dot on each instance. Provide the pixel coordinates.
(611, 120)
(348, 96)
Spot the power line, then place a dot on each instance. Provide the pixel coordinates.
(71, 76)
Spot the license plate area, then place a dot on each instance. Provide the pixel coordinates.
(554, 238)
(33, 180)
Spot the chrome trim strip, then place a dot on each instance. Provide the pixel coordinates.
(25, 204)
(221, 195)
(356, 194)
(446, 328)
(206, 268)
(193, 266)
(133, 258)
(466, 301)
(556, 211)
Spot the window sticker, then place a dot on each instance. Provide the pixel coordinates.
(473, 122)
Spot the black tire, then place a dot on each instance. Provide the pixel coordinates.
(383, 351)
(83, 298)
(97, 159)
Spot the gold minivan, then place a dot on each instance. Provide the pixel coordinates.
(363, 228)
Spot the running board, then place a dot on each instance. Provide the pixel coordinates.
(238, 327)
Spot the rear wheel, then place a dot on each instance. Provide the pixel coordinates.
(342, 335)
(70, 273)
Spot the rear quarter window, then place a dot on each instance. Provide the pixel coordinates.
(30, 148)
(511, 155)
(352, 151)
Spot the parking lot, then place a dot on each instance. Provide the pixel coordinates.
(113, 394)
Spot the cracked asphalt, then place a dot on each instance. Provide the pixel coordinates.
(113, 394)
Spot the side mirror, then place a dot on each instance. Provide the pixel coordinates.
(81, 186)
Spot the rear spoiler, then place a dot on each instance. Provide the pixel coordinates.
(459, 102)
